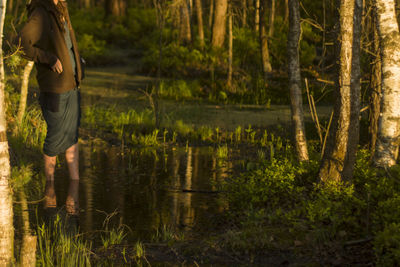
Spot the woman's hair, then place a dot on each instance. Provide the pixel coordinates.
(60, 10)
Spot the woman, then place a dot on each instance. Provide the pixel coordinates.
(49, 40)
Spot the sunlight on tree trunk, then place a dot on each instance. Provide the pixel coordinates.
(266, 64)
(24, 91)
(256, 15)
(387, 145)
(29, 241)
(184, 28)
(375, 100)
(6, 208)
(230, 47)
(295, 81)
(339, 158)
(219, 25)
(199, 12)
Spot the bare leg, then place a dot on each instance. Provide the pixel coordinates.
(72, 157)
(49, 167)
(50, 195)
(72, 203)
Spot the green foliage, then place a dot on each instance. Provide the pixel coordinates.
(387, 246)
(113, 237)
(56, 248)
(179, 89)
(177, 61)
(91, 49)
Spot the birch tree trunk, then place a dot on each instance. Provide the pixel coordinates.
(29, 241)
(219, 24)
(199, 11)
(24, 91)
(387, 145)
(266, 64)
(295, 81)
(6, 208)
(339, 158)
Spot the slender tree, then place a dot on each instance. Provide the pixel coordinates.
(387, 145)
(376, 90)
(24, 91)
(199, 12)
(295, 80)
(185, 34)
(230, 46)
(266, 64)
(339, 158)
(6, 208)
(219, 24)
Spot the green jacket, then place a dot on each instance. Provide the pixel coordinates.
(43, 41)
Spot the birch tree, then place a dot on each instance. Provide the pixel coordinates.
(295, 80)
(387, 145)
(6, 208)
(24, 91)
(339, 158)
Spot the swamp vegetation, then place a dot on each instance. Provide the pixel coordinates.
(187, 150)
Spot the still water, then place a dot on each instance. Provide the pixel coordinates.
(145, 190)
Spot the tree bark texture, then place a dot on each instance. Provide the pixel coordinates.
(376, 88)
(199, 12)
(219, 24)
(387, 145)
(29, 241)
(295, 81)
(339, 158)
(185, 34)
(211, 14)
(6, 208)
(24, 91)
(266, 64)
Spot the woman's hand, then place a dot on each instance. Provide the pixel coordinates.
(57, 67)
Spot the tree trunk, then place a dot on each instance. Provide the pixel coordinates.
(271, 19)
(115, 8)
(185, 34)
(28, 247)
(266, 64)
(387, 145)
(376, 88)
(295, 81)
(24, 91)
(256, 15)
(199, 12)
(230, 47)
(211, 15)
(219, 25)
(244, 13)
(6, 208)
(286, 10)
(339, 158)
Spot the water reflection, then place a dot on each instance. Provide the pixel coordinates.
(148, 189)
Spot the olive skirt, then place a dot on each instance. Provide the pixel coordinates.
(62, 114)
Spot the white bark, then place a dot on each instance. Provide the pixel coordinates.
(24, 91)
(386, 152)
(6, 208)
(295, 81)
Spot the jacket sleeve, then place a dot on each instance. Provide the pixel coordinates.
(31, 34)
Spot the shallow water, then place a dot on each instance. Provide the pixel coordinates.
(146, 190)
